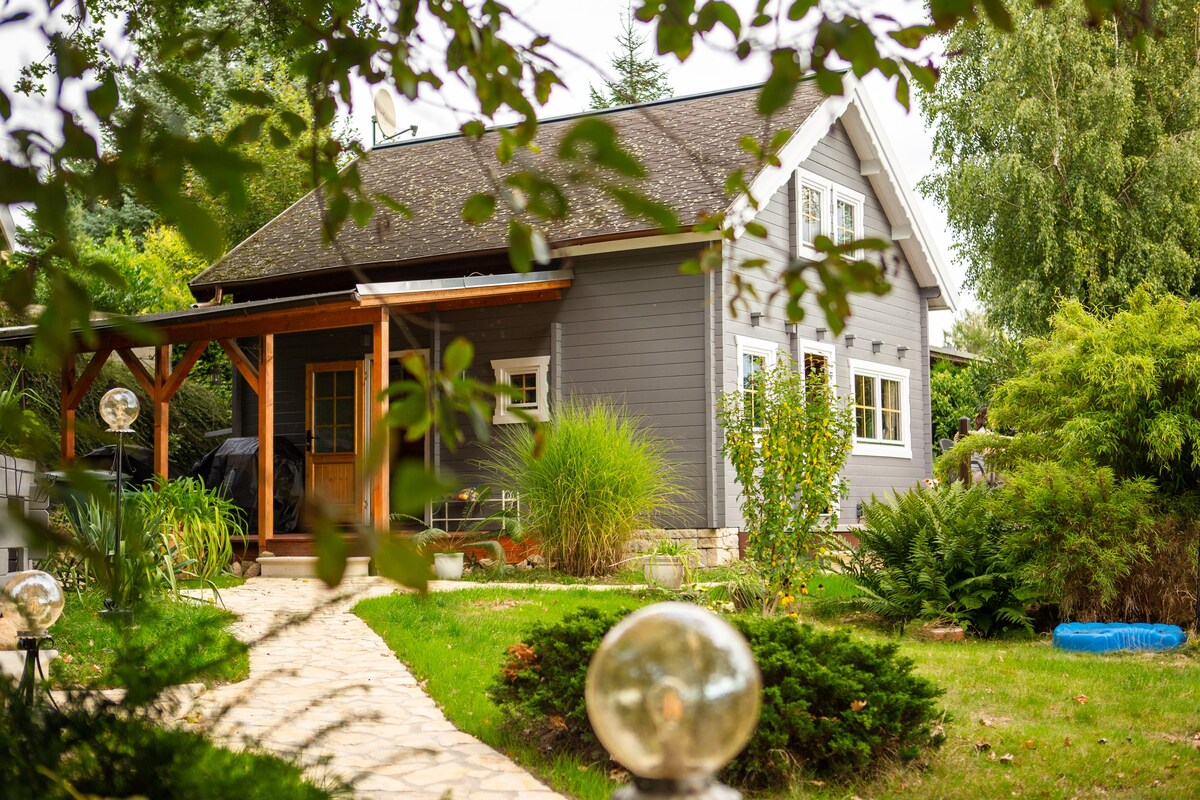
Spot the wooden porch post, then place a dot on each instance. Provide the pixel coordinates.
(381, 474)
(162, 410)
(67, 422)
(266, 441)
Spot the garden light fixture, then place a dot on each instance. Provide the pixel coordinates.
(119, 408)
(33, 600)
(673, 693)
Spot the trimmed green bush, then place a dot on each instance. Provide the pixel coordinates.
(831, 705)
(937, 554)
(596, 477)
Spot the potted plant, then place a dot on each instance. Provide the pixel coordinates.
(668, 564)
(480, 532)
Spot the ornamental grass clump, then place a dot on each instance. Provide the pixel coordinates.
(600, 476)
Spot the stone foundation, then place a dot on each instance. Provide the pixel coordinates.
(714, 546)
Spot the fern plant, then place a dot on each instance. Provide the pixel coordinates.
(937, 554)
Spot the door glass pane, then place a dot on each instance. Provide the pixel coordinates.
(333, 418)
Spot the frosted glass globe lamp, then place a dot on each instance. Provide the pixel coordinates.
(119, 408)
(33, 601)
(673, 693)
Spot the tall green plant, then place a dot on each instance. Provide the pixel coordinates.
(198, 522)
(937, 554)
(787, 449)
(600, 476)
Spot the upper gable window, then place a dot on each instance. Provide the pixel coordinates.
(827, 209)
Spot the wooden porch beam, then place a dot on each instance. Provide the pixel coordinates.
(266, 441)
(241, 361)
(85, 380)
(67, 419)
(381, 473)
(162, 410)
(175, 380)
(137, 368)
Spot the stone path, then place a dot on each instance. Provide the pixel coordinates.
(328, 690)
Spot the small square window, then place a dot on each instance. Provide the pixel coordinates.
(530, 378)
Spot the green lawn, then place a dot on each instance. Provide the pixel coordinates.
(1076, 726)
(189, 636)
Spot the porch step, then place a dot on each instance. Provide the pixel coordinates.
(306, 566)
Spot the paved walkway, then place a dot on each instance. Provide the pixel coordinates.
(330, 691)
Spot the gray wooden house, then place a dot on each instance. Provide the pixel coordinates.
(309, 327)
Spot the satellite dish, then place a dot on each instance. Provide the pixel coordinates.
(385, 113)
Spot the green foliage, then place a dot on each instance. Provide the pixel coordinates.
(147, 561)
(952, 394)
(198, 522)
(937, 554)
(598, 476)
(85, 749)
(639, 78)
(23, 432)
(1067, 158)
(1121, 391)
(1076, 532)
(832, 706)
(481, 529)
(788, 437)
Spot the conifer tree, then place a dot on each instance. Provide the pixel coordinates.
(640, 78)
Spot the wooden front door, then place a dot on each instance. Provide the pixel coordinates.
(333, 419)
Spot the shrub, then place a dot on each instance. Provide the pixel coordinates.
(831, 705)
(86, 749)
(600, 476)
(787, 436)
(1076, 531)
(198, 523)
(937, 554)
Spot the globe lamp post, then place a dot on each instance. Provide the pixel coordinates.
(119, 409)
(673, 693)
(33, 600)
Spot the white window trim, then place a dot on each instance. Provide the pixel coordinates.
(748, 345)
(505, 368)
(872, 447)
(832, 193)
(825, 349)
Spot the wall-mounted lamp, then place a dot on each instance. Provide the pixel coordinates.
(901, 351)
(755, 318)
(821, 334)
(849, 340)
(876, 345)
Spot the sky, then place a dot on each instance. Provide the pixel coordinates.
(585, 34)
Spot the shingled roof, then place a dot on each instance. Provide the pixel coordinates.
(687, 144)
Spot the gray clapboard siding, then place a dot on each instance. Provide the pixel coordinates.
(896, 319)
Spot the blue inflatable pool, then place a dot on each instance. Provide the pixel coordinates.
(1105, 637)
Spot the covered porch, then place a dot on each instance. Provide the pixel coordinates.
(252, 334)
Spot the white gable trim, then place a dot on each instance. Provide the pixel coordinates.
(8, 231)
(878, 164)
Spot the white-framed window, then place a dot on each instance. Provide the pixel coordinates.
(819, 358)
(753, 356)
(827, 209)
(881, 410)
(530, 377)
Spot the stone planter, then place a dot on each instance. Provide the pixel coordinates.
(667, 572)
(448, 566)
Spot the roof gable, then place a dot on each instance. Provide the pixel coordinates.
(910, 231)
